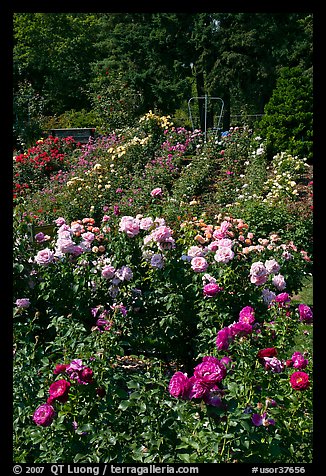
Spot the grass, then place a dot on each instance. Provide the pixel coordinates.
(305, 296)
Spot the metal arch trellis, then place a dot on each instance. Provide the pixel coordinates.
(207, 98)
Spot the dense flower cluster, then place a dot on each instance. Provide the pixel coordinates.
(203, 384)
(59, 390)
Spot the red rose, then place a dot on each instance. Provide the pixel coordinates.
(268, 352)
(299, 380)
(58, 391)
(60, 368)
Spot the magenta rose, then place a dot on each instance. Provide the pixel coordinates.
(198, 388)
(247, 315)
(58, 391)
(210, 371)
(305, 313)
(43, 415)
(179, 385)
(298, 361)
(211, 289)
(240, 328)
(223, 338)
(299, 380)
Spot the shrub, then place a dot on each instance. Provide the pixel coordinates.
(287, 123)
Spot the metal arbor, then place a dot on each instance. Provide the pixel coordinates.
(207, 100)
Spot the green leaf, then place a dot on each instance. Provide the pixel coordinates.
(124, 405)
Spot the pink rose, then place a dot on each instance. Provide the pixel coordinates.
(130, 226)
(156, 192)
(258, 273)
(224, 254)
(23, 303)
(272, 266)
(161, 233)
(222, 231)
(44, 257)
(146, 223)
(199, 264)
(279, 282)
(108, 272)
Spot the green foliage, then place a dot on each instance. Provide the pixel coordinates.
(70, 119)
(288, 121)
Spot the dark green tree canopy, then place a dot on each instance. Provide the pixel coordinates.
(164, 58)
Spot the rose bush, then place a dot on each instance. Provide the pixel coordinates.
(138, 324)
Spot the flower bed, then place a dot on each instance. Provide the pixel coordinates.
(141, 335)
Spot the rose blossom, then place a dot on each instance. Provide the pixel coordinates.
(58, 391)
(299, 380)
(210, 371)
(146, 223)
(279, 282)
(299, 362)
(130, 226)
(272, 266)
(222, 231)
(23, 303)
(262, 420)
(267, 352)
(223, 338)
(157, 261)
(273, 364)
(225, 242)
(156, 192)
(268, 296)
(224, 254)
(199, 264)
(108, 272)
(258, 273)
(211, 289)
(60, 221)
(161, 233)
(247, 315)
(240, 328)
(44, 257)
(198, 388)
(195, 251)
(124, 273)
(179, 385)
(305, 313)
(60, 368)
(282, 298)
(44, 414)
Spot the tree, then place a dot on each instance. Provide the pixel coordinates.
(53, 52)
(288, 123)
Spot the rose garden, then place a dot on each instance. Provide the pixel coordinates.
(157, 306)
